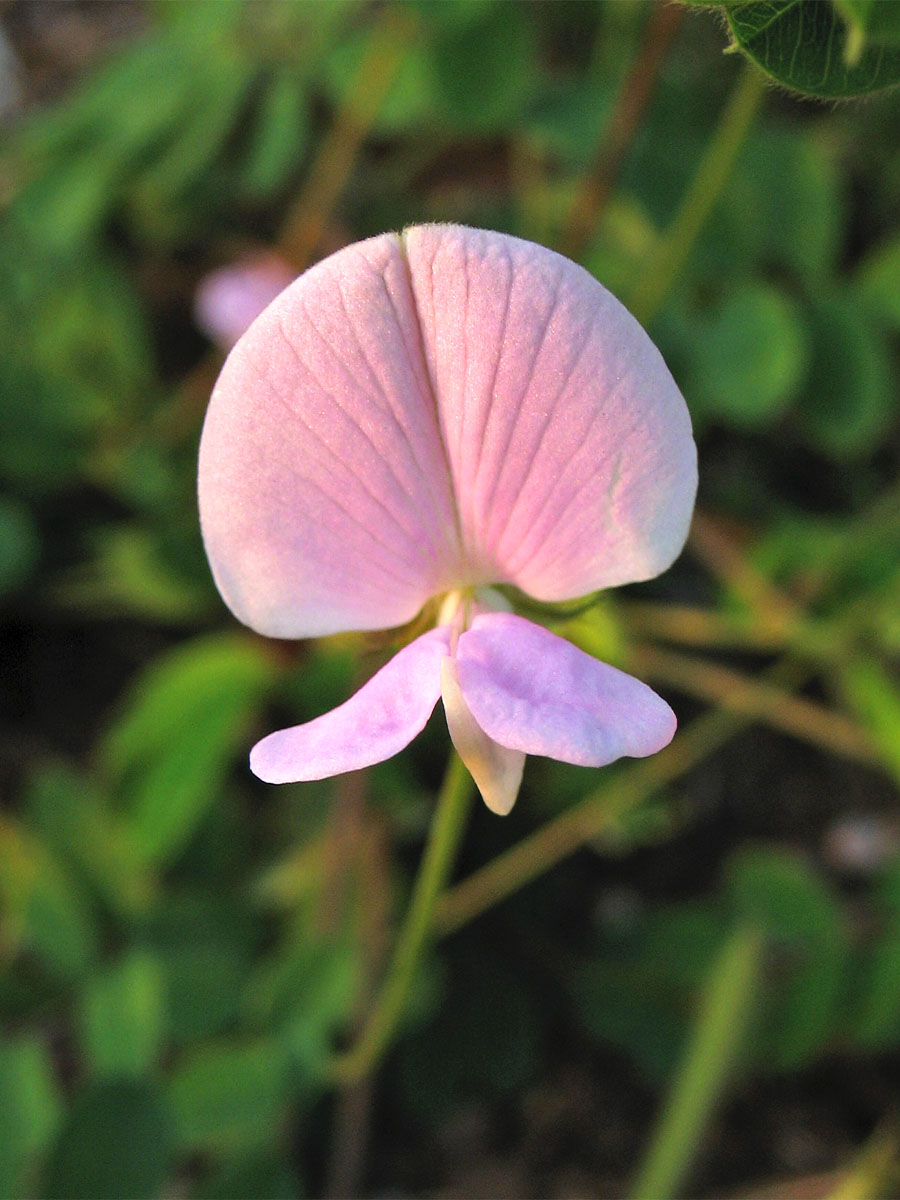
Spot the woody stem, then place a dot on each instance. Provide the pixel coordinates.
(416, 931)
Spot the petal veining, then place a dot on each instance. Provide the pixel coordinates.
(570, 446)
(374, 724)
(325, 498)
(532, 691)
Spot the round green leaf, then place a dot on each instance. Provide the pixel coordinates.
(230, 1095)
(847, 404)
(121, 1016)
(878, 279)
(30, 1107)
(116, 1142)
(749, 357)
(803, 44)
(782, 208)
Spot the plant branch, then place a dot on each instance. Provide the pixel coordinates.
(306, 221)
(446, 831)
(721, 1024)
(672, 252)
(621, 792)
(631, 103)
(758, 700)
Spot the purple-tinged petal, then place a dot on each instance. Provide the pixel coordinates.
(325, 498)
(569, 443)
(230, 299)
(532, 691)
(497, 771)
(376, 723)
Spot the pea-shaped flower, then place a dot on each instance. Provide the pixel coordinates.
(432, 414)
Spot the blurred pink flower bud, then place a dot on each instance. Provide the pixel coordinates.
(230, 299)
(428, 415)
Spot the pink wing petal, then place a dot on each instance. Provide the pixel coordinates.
(378, 722)
(532, 691)
(569, 443)
(325, 499)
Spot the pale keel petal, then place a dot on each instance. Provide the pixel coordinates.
(497, 771)
(534, 692)
(376, 723)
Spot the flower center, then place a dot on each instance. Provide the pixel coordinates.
(459, 608)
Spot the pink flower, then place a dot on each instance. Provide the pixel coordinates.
(428, 415)
(230, 299)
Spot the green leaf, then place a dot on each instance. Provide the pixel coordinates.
(76, 824)
(307, 992)
(64, 206)
(30, 1106)
(19, 544)
(847, 405)
(878, 282)
(205, 943)
(803, 44)
(874, 1019)
(639, 993)
(410, 102)
(280, 134)
(776, 892)
(222, 86)
(782, 208)
(121, 1015)
(251, 1176)
(129, 575)
(185, 720)
(873, 694)
(229, 1095)
(116, 1142)
(473, 95)
(749, 357)
(77, 357)
(41, 908)
(724, 1011)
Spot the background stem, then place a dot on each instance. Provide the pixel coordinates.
(446, 831)
(717, 1036)
(705, 189)
(637, 89)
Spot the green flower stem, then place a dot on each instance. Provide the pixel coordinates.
(447, 827)
(622, 792)
(700, 199)
(718, 1034)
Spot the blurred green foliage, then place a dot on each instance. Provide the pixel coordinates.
(180, 948)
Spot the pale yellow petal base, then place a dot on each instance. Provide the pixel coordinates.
(496, 770)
